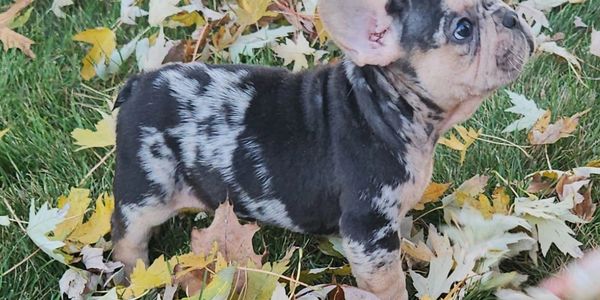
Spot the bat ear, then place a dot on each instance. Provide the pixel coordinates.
(364, 29)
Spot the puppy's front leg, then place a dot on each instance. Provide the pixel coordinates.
(374, 255)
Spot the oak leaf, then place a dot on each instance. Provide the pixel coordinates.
(8, 37)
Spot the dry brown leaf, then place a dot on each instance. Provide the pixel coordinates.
(544, 133)
(9, 38)
(568, 186)
(233, 240)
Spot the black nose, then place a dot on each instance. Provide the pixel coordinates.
(510, 19)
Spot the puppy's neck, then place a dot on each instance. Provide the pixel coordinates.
(443, 117)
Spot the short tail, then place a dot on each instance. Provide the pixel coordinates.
(127, 91)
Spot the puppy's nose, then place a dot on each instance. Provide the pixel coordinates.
(510, 19)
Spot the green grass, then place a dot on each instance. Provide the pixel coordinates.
(43, 100)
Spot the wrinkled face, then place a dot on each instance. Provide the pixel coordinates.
(460, 49)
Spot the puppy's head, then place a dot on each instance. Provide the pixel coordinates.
(452, 50)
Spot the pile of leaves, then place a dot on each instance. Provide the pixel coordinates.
(483, 225)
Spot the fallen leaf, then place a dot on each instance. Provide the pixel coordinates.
(93, 259)
(9, 38)
(296, 52)
(544, 133)
(129, 12)
(57, 6)
(159, 10)
(104, 136)
(549, 219)
(41, 224)
(98, 224)
(72, 283)
(469, 136)
(500, 201)
(249, 12)
(117, 58)
(21, 19)
(525, 107)
(467, 193)
(261, 286)
(151, 57)
(77, 202)
(595, 45)
(110, 295)
(103, 42)
(579, 23)
(432, 193)
(220, 286)
(4, 221)
(327, 291)
(245, 44)
(554, 48)
(233, 240)
(142, 279)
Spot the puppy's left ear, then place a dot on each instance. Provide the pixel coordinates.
(364, 29)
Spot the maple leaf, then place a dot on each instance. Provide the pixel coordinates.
(469, 137)
(595, 45)
(331, 291)
(78, 202)
(129, 12)
(544, 133)
(41, 223)
(525, 107)
(432, 193)
(98, 224)
(262, 286)
(57, 6)
(467, 193)
(103, 42)
(579, 23)
(549, 218)
(142, 279)
(104, 136)
(245, 44)
(233, 240)
(250, 11)
(296, 52)
(8, 37)
(549, 4)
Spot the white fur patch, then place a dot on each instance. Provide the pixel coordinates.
(157, 159)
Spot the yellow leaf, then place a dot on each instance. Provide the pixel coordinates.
(469, 136)
(484, 206)
(432, 193)
(78, 201)
(142, 279)
(250, 11)
(104, 42)
(500, 201)
(103, 136)
(419, 251)
(188, 19)
(190, 262)
(470, 189)
(3, 132)
(320, 29)
(593, 163)
(98, 224)
(9, 38)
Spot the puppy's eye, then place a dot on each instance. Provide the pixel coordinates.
(464, 29)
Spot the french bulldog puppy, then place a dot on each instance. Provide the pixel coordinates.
(344, 149)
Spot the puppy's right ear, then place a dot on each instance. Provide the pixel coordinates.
(363, 29)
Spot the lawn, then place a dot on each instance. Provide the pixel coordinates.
(44, 99)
